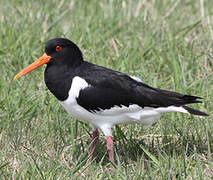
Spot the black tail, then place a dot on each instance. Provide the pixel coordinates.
(194, 111)
(181, 100)
(191, 99)
(155, 97)
(177, 99)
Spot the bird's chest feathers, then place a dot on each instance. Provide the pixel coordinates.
(58, 82)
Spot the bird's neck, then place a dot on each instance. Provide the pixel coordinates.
(58, 78)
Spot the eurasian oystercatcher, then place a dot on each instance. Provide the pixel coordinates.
(103, 97)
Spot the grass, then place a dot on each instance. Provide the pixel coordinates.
(167, 44)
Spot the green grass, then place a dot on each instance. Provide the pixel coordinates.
(167, 44)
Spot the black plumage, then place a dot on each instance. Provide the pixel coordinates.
(107, 88)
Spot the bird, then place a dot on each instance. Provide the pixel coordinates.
(102, 97)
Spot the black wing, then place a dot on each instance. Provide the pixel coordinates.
(110, 88)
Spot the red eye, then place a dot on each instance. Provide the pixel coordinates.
(58, 48)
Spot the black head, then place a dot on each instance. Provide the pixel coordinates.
(59, 52)
(63, 51)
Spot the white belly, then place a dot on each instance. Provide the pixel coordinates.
(113, 116)
(105, 119)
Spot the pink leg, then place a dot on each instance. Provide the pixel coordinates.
(94, 142)
(110, 148)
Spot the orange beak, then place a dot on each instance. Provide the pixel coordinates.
(40, 61)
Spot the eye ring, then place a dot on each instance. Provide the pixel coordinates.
(58, 48)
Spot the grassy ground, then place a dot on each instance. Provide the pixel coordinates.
(167, 44)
